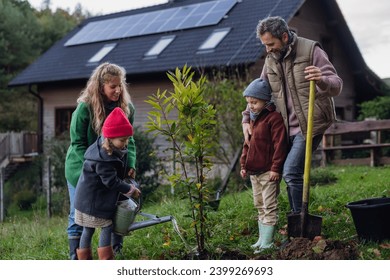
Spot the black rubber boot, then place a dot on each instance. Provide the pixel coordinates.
(73, 246)
(295, 199)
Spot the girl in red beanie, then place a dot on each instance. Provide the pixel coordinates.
(101, 182)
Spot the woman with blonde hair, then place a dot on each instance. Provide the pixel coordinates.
(106, 89)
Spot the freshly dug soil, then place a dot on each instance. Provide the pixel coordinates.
(318, 249)
(296, 249)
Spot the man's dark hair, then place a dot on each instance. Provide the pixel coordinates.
(274, 25)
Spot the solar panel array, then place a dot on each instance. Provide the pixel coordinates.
(190, 16)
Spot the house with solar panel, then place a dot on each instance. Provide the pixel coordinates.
(207, 35)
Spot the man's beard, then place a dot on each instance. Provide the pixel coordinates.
(280, 54)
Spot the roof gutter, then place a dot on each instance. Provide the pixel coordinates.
(40, 118)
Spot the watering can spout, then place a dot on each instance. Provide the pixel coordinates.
(147, 223)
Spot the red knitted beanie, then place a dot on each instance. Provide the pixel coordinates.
(117, 125)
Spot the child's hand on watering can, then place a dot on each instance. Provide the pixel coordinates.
(133, 192)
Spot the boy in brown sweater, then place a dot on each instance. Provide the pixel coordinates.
(263, 158)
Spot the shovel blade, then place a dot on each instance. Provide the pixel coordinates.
(304, 225)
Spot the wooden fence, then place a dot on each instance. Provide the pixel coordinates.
(14, 147)
(18, 144)
(356, 137)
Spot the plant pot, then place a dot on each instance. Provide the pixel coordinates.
(371, 218)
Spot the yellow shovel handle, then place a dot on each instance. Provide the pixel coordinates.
(309, 143)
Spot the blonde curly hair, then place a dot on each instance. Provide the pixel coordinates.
(92, 94)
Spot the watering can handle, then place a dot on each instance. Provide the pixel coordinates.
(138, 200)
(309, 144)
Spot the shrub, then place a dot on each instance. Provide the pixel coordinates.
(24, 199)
(148, 165)
(378, 108)
(322, 176)
(56, 149)
(21, 189)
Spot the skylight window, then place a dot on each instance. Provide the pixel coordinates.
(214, 39)
(102, 53)
(161, 45)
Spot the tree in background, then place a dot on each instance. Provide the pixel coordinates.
(225, 93)
(226, 96)
(25, 34)
(19, 29)
(377, 108)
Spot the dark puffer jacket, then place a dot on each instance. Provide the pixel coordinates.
(101, 181)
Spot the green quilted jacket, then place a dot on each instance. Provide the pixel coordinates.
(82, 136)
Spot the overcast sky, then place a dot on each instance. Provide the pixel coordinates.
(369, 22)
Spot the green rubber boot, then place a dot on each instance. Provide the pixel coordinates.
(258, 242)
(267, 238)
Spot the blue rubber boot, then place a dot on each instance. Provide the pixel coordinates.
(267, 238)
(258, 242)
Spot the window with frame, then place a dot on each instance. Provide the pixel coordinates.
(62, 120)
(214, 40)
(102, 53)
(159, 47)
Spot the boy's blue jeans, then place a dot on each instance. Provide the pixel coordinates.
(294, 168)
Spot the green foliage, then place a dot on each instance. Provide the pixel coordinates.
(378, 108)
(21, 189)
(147, 165)
(55, 25)
(18, 111)
(225, 93)
(59, 202)
(192, 138)
(19, 29)
(24, 35)
(55, 154)
(322, 176)
(24, 199)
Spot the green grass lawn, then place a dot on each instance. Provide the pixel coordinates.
(30, 235)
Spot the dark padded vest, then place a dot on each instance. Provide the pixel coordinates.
(299, 57)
